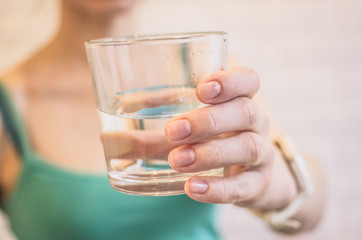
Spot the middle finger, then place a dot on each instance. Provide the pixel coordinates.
(239, 114)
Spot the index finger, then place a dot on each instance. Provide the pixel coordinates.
(226, 85)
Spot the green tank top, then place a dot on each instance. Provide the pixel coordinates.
(50, 203)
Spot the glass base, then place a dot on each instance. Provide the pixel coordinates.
(157, 185)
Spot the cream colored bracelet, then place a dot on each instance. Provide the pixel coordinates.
(283, 219)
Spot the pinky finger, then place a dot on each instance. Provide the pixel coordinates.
(243, 188)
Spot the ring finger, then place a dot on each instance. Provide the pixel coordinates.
(239, 114)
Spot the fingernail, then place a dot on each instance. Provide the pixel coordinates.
(198, 186)
(179, 129)
(182, 157)
(209, 90)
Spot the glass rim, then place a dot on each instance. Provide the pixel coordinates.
(153, 38)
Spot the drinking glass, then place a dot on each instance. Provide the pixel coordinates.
(140, 83)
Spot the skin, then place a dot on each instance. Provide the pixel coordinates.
(235, 133)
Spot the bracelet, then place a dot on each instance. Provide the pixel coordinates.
(283, 219)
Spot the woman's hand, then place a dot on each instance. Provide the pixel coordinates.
(232, 132)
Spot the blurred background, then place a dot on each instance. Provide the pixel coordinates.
(309, 57)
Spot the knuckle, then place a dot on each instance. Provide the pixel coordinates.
(254, 148)
(254, 77)
(248, 110)
(263, 187)
(225, 196)
(217, 153)
(243, 190)
(211, 121)
(251, 73)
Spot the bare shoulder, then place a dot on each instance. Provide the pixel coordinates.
(16, 77)
(11, 81)
(9, 160)
(14, 81)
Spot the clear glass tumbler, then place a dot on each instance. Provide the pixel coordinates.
(140, 83)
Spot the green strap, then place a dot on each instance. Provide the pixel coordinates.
(13, 123)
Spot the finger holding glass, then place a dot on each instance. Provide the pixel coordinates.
(254, 171)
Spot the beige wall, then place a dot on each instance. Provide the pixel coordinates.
(309, 56)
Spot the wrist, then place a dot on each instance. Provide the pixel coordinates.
(282, 218)
(285, 186)
(282, 188)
